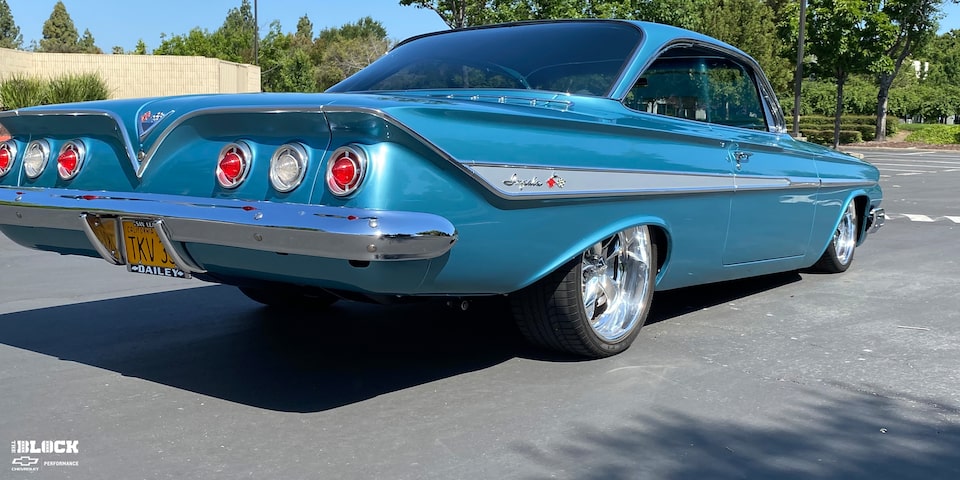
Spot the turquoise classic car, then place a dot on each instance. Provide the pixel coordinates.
(575, 166)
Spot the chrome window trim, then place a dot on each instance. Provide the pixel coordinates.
(773, 113)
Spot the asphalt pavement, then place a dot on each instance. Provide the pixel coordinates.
(106, 374)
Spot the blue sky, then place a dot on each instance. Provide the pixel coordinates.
(124, 22)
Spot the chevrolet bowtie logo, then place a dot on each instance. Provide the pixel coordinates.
(25, 461)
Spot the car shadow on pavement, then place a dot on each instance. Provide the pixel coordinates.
(850, 432)
(214, 341)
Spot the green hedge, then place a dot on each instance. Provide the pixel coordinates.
(867, 132)
(936, 134)
(824, 123)
(825, 137)
(19, 91)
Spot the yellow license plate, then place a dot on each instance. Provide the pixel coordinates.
(145, 252)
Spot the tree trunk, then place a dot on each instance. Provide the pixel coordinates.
(883, 96)
(886, 81)
(841, 79)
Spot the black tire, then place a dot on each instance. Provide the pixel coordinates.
(553, 313)
(290, 297)
(839, 253)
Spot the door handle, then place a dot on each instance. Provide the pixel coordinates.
(741, 157)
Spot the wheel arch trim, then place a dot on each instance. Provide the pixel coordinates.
(659, 230)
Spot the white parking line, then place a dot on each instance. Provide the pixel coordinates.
(923, 218)
(906, 170)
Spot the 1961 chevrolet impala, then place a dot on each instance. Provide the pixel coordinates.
(577, 166)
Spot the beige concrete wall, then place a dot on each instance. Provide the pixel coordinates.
(133, 76)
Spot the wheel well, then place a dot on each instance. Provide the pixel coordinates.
(862, 203)
(660, 238)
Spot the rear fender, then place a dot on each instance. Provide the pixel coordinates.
(659, 231)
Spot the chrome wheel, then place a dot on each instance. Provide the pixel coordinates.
(595, 304)
(839, 253)
(614, 289)
(845, 238)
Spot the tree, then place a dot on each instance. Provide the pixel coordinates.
(852, 36)
(287, 66)
(749, 25)
(87, 44)
(59, 33)
(455, 13)
(234, 40)
(916, 23)
(304, 34)
(10, 36)
(341, 52)
(197, 43)
(140, 48)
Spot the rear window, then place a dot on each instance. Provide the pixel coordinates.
(583, 58)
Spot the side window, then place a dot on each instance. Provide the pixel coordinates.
(698, 85)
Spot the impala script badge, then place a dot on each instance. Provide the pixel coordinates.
(520, 183)
(555, 181)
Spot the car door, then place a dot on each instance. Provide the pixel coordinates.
(774, 201)
(775, 190)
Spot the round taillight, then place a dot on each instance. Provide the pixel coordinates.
(8, 153)
(346, 170)
(35, 158)
(233, 164)
(70, 159)
(288, 167)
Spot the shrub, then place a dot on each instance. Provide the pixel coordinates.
(77, 88)
(825, 137)
(936, 134)
(20, 91)
(850, 122)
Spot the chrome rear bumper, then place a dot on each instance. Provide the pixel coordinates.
(312, 230)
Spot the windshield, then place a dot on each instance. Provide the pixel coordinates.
(583, 58)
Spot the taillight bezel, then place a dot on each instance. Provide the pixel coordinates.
(30, 169)
(356, 155)
(243, 151)
(80, 150)
(10, 147)
(299, 154)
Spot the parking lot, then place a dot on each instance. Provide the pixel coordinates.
(789, 376)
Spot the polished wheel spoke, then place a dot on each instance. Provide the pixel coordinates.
(614, 286)
(845, 238)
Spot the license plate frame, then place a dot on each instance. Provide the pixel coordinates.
(143, 251)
